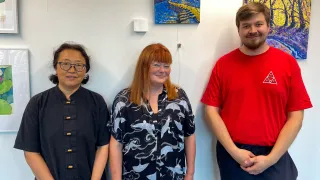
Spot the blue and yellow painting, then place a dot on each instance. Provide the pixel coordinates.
(6, 90)
(177, 11)
(289, 24)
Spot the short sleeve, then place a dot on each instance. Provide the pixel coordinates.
(298, 98)
(212, 93)
(189, 123)
(118, 119)
(28, 138)
(103, 130)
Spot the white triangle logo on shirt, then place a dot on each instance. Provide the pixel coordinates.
(270, 79)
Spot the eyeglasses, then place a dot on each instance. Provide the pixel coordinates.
(66, 66)
(158, 65)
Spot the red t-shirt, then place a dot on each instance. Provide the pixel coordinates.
(255, 93)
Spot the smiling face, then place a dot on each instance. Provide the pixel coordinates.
(159, 73)
(254, 31)
(70, 78)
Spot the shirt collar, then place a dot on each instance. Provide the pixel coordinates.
(73, 96)
(164, 92)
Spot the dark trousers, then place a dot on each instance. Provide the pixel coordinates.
(284, 169)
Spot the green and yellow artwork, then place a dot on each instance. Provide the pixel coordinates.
(6, 90)
(290, 22)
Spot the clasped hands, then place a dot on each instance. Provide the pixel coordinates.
(251, 163)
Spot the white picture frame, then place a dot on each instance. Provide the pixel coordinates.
(18, 60)
(8, 17)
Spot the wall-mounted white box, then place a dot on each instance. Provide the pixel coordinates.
(140, 25)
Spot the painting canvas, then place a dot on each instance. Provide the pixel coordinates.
(8, 16)
(6, 90)
(14, 87)
(177, 11)
(290, 22)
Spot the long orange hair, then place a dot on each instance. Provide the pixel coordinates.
(141, 82)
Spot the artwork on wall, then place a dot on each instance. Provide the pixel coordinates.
(14, 87)
(6, 90)
(8, 16)
(290, 22)
(177, 11)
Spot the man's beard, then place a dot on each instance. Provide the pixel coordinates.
(253, 45)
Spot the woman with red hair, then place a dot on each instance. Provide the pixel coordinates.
(152, 124)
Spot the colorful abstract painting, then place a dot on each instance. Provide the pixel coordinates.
(290, 22)
(14, 87)
(6, 90)
(177, 11)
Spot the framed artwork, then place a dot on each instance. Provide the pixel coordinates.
(14, 87)
(8, 16)
(177, 11)
(289, 24)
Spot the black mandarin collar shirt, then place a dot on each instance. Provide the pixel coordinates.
(66, 133)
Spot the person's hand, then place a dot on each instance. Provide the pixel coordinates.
(260, 164)
(188, 177)
(241, 155)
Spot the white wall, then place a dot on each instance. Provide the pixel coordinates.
(105, 28)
